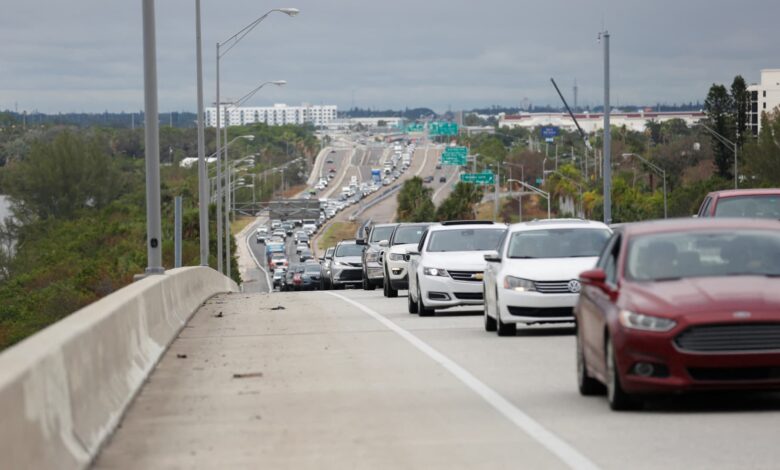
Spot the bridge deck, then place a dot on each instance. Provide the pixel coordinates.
(319, 384)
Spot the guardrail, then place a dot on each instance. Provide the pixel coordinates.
(64, 390)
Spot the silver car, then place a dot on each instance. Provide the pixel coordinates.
(346, 267)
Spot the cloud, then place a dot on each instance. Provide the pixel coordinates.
(435, 53)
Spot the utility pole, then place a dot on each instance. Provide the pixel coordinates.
(607, 137)
(203, 189)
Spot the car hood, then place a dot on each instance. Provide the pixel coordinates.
(455, 260)
(547, 269)
(402, 248)
(702, 294)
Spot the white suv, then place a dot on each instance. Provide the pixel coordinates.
(395, 259)
(446, 269)
(533, 277)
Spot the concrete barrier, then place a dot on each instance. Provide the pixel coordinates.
(64, 389)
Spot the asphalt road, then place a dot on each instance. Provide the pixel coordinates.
(349, 379)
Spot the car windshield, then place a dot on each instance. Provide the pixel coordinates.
(405, 235)
(671, 256)
(349, 249)
(557, 243)
(313, 268)
(758, 207)
(466, 239)
(381, 233)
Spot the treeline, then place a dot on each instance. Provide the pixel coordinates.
(105, 119)
(79, 211)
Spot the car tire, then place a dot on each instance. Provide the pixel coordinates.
(490, 322)
(617, 398)
(411, 305)
(392, 293)
(422, 309)
(504, 329)
(366, 283)
(587, 385)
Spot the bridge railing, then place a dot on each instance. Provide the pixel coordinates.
(64, 390)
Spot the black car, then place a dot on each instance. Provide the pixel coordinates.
(442, 179)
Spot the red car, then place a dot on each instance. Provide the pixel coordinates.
(753, 203)
(681, 305)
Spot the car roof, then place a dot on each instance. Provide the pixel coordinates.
(702, 224)
(543, 224)
(440, 227)
(746, 192)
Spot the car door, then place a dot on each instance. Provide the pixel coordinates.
(414, 264)
(595, 305)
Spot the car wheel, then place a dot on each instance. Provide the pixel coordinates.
(490, 322)
(423, 310)
(390, 291)
(411, 305)
(365, 283)
(504, 329)
(617, 397)
(587, 385)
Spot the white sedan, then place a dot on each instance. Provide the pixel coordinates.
(533, 277)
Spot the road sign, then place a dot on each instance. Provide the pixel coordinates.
(549, 133)
(442, 128)
(454, 156)
(478, 178)
(415, 127)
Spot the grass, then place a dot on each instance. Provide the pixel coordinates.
(240, 223)
(336, 232)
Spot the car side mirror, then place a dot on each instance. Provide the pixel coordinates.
(594, 277)
(492, 257)
(321, 259)
(384, 243)
(412, 252)
(360, 241)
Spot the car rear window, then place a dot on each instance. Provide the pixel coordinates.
(757, 207)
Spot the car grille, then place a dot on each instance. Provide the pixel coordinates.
(552, 287)
(553, 312)
(734, 374)
(468, 276)
(468, 295)
(350, 275)
(739, 337)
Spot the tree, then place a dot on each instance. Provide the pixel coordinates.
(414, 202)
(459, 205)
(762, 156)
(58, 178)
(741, 100)
(719, 106)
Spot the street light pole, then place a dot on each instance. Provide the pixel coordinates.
(733, 145)
(203, 189)
(230, 43)
(607, 135)
(152, 142)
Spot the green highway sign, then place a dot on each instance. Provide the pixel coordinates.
(443, 128)
(415, 127)
(478, 178)
(454, 156)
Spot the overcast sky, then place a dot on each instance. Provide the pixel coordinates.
(86, 55)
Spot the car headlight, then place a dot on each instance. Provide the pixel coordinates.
(372, 256)
(435, 272)
(638, 321)
(396, 256)
(518, 284)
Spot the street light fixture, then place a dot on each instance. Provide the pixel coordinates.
(723, 140)
(223, 48)
(655, 168)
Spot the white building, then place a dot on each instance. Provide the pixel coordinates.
(593, 122)
(276, 115)
(764, 98)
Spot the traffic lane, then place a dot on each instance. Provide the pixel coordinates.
(349, 168)
(536, 371)
(322, 388)
(339, 161)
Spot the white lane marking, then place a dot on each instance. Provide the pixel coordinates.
(252, 254)
(568, 454)
(425, 159)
